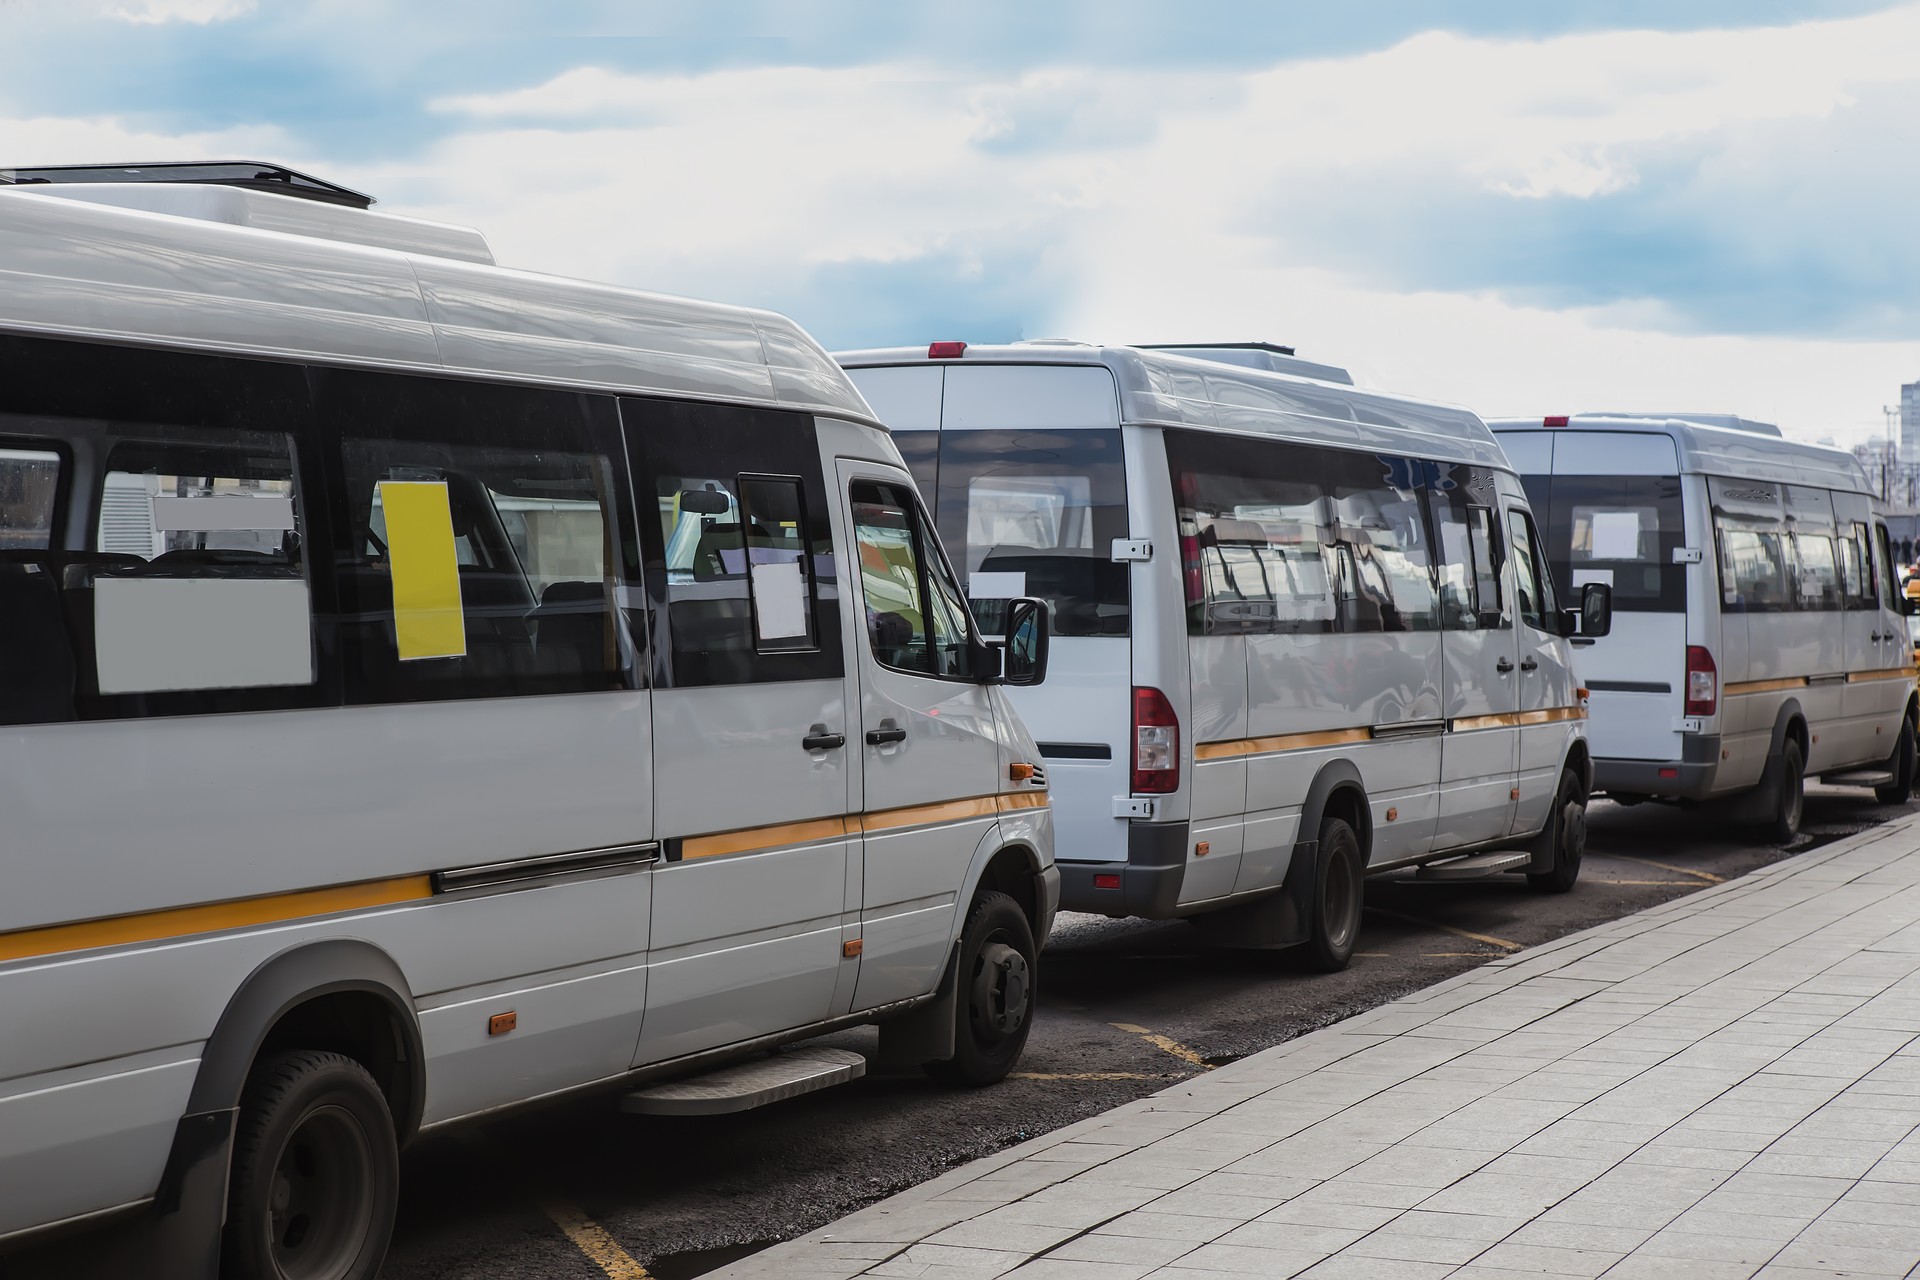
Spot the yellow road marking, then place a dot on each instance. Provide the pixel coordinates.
(1468, 934)
(1092, 1075)
(1708, 876)
(1173, 1047)
(590, 1238)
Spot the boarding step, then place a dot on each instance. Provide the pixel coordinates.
(1859, 778)
(1475, 866)
(746, 1085)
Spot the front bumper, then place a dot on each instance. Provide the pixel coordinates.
(1689, 778)
(1149, 880)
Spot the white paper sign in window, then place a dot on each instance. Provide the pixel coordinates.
(152, 635)
(780, 601)
(992, 585)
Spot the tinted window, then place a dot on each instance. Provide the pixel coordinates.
(1617, 530)
(1255, 534)
(29, 485)
(1753, 569)
(1036, 513)
(921, 450)
(1468, 535)
(1818, 576)
(479, 547)
(916, 620)
(184, 585)
(739, 550)
(1529, 584)
(1383, 574)
(1854, 552)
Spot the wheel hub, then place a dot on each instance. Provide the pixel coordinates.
(321, 1204)
(1001, 987)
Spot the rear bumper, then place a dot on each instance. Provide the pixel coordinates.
(1689, 778)
(1149, 880)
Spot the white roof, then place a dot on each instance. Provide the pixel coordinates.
(1708, 448)
(253, 273)
(1164, 389)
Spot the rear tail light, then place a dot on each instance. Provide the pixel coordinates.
(1107, 881)
(1156, 744)
(1703, 682)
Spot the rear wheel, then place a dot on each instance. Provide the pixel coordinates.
(1789, 797)
(995, 1003)
(316, 1172)
(1566, 835)
(1337, 894)
(1901, 765)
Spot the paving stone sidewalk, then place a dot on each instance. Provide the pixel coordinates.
(1727, 1085)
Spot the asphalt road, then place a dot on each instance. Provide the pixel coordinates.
(581, 1191)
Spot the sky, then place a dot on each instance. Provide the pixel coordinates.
(1522, 207)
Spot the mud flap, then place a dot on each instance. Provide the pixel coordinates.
(927, 1033)
(1275, 921)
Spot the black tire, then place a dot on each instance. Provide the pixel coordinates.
(1334, 919)
(1789, 798)
(1901, 763)
(316, 1172)
(994, 1005)
(1566, 835)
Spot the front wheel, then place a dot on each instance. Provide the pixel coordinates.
(316, 1172)
(1789, 794)
(1901, 764)
(1566, 837)
(994, 1005)
(1335, 918)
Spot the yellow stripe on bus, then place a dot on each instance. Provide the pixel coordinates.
(240, 913)
(1514, 719)
(1739, 687)
(1279, 742)
(1890, 673)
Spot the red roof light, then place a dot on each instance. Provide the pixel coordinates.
(946, 350)
(1555, 420)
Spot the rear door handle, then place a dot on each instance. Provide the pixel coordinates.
(888, 732)
(1528, 664)
(1503, 666)
(818, 739)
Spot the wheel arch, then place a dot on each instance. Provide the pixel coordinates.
(1789, 722)
(340, 994)
(1337, 789)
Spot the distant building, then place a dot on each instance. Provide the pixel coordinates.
(1910, 422)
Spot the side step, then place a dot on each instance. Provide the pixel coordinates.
(1858, 778)
(1475, 866)
(746, 1085)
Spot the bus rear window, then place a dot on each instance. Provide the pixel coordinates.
(1035, 513)
(1617, 530)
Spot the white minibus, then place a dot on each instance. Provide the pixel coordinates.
(1760, 635)
(426, 688)
(1301, 632)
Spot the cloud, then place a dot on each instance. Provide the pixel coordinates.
(202, 12)
(1495, 218)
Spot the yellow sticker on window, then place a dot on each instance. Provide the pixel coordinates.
(427, 618)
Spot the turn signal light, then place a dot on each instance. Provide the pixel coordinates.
(1703, 682)
(1156, 744)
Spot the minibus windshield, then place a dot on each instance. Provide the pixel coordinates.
(1618, 530)
(1031, 513)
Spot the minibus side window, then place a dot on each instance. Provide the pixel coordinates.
(738, 543)
(1469, 560)
(29, 484)
(1530, 586)
(1386, 574)
(1818, 577)
(916, 620)
(1855, 564)
(1889, 577)
(1255, 535)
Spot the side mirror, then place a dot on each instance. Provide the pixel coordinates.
(1595, 615)
(1027, 635)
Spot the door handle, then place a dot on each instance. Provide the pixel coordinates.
(1528, 664)
(818, 739)
(887, 732)
(1503, 666)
